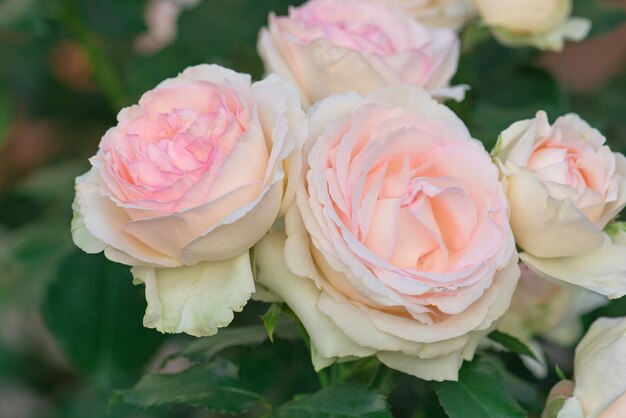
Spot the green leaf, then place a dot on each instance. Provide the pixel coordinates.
(512, 344)
(214, 386)
(604, 15)
(95, 314)
(341, 401)
(205, 349)
(479, 393)
(271, 317)
(559, 372)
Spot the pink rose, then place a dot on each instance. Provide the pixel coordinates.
(565, 186)
(188, 181)
(335, 46)
(399, 244)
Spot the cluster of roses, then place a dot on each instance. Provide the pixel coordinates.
(375, 216)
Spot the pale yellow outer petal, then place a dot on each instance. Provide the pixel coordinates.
(196, 299)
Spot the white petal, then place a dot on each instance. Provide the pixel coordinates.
(437, 369)
(602, 270)
(81, 235)
(196, 299)
(571, 409)
(301, 295)
(546, 227)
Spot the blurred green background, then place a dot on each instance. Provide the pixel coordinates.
(70, 324)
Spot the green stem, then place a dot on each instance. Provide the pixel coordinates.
(385, 380)
(103, 72)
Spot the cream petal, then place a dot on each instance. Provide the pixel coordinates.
(198, 299)
(173, 232)
(437, 368)
(479, 316)
(106, 222)
(274, 62)
(329, 70)
(286, 127)
(237, 232)
(81, 235)
(602, 270)
(539, 221)
(302, 295)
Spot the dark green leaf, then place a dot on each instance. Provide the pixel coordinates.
(95, 314)
(271, 317)
(213, 386)
(205, 349)
(5, 116)
(479, 393)
(512, 344)
(341, 401)
(604, 15)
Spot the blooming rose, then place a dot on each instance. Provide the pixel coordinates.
(564, 186)
(185, 184)
(335, 46)
(545, 24)
(399, 243)
(599, 373)
(438, 13)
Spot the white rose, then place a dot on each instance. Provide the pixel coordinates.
(399, 244)
(545, 24)
(189, 179)
(564, 186)
(599, 373)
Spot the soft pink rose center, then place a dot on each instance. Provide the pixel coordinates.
(354, 25)
(561, 163)
(179, 137)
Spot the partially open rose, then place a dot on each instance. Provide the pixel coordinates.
(336, 46)
(399, 245)
(565, 185)
(188, 181)
(545, 24)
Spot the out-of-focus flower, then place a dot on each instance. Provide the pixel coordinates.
(161, 18)
(545, 24)
(452, 14)
(328, 47)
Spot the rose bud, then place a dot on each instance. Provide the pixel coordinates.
(565, 186)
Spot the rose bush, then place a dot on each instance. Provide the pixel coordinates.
(565, 186)
(545, 24)
(399, 243)
(188, 181)
(327, 47)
